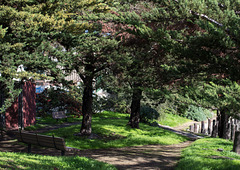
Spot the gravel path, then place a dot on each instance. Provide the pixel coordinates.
(139, 157)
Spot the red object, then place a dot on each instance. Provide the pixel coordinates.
(13, 119)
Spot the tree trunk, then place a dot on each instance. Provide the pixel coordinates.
(135, 108)
(223, 127)
(86, 128)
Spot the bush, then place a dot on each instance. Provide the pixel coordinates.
(148, 114)
(196, 113)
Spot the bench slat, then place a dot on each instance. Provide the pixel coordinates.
(41, 140)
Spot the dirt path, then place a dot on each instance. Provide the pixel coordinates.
(139, 157)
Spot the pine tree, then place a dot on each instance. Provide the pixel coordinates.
(30, 32)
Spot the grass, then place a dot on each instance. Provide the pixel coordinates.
(111, 131)
(48, 121)
(9, 160)
(173, 120)
(203, 155)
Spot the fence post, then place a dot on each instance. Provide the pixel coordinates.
(236, 144)
(228, 132)
(195, 128)
(191, 128)
(237, 127)
(215, 128)
(202, 127)
(209, 127)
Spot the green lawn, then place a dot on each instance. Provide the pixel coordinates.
(111, 131)
(203, 155)
(9, 160)
(173, 120)
(48, 121)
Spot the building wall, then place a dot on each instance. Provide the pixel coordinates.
(29, 104)
(28, 108)
(11, 116)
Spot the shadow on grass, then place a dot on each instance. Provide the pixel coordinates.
(112, 133)
(28, 161)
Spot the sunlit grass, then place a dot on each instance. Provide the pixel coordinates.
(173, 120)
(9, 160)
(112, 131)
(203, 155)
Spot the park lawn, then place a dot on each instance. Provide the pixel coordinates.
(203, 155)
(173, 120)
(48, 121)
(10, 160)
(110, 131)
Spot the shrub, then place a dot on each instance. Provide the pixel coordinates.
(148, 114)
(195, 113)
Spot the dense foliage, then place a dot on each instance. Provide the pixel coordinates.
(197, 113)
(146, 45)
(148, 114)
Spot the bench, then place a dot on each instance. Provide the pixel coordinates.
(59, 115)
(1, 133)
(43, 141)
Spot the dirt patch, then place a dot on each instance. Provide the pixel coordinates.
(139, 157)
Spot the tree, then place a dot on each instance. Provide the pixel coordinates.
(152, 40)
(90, 52)
(217, 49)
(22, 32)
(31, 32)
(92, 56)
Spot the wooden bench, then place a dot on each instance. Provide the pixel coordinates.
(59, 115)
(42, 140)
(1, 133)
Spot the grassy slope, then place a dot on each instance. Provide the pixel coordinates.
(203, 155)
(10, 160)
(173, 120)
(112, 132)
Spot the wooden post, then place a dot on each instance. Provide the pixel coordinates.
(29, 148)
(228, 131)
(215, 129)
(235, 121)
(202, 127)
(209, 127)
(237, 127)
(195, 128)
(198, 128)
(236, 144)
(191, 128)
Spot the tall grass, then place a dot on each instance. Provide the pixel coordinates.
(173, 120)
